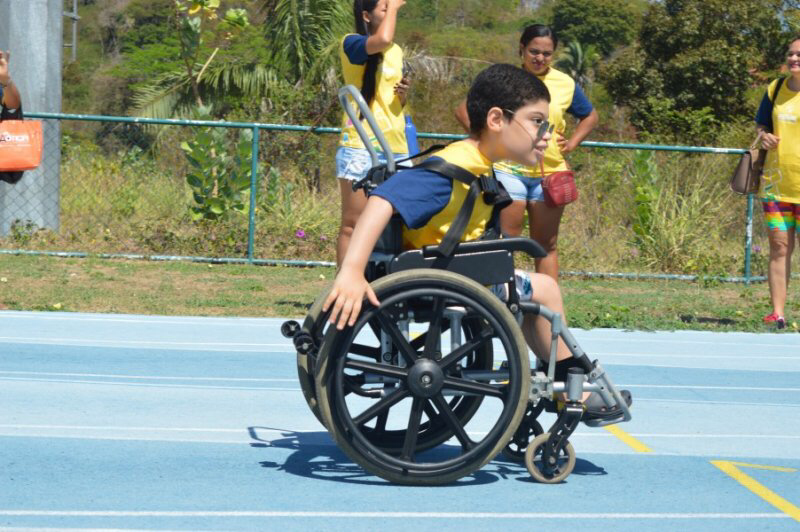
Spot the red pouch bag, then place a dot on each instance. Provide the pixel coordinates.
(559, 188)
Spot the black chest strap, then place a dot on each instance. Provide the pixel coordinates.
(492, 191)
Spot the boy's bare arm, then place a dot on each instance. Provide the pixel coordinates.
(350, 286)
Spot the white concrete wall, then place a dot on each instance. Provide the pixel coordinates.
(32, 31)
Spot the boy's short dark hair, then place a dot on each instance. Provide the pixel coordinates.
(504, 86)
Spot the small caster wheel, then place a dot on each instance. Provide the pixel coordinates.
(515, 450)
(289, 328)
(303, 342)
(559, 467)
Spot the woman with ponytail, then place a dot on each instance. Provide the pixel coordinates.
(373, 63)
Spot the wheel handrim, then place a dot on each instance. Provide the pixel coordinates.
(435, 406)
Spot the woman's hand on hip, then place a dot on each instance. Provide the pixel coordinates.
(770, 141)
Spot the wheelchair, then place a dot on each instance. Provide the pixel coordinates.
(435, 382)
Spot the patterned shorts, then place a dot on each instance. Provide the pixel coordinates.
(781, 216)
(523, 285)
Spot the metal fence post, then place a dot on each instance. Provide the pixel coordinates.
(748, 238)
(251, 229)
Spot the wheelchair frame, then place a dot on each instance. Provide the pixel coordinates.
(449, 293)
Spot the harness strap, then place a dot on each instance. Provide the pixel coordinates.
(493, 194)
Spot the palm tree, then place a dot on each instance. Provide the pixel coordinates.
(302, 36)
(305, 35)
(579, 62)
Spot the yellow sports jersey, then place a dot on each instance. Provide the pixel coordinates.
(781, 178)
(468, 157)
(562, 89)
(386, 106)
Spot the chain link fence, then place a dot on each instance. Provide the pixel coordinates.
(265, 193)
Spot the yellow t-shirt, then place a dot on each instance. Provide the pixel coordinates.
(468, 157)
(562, 90)
(386, 106)
(781, 178)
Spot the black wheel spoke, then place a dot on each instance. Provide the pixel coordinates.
(365, 351)
(377, 369)
(408, 353)
(380, 422)
(464, 385)
(381, 406)
(453, 358)
(430, 411)
(453, 422)
(432, 339)
(412, 432)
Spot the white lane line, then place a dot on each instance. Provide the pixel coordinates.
(243, 430)
(149, 320)
(757, 369)
(731, 403)
(146, 385)
(747, 356)
(123, 343)
(267, 430)
(393, 515)
(145, 377)
(692, 387)
(59, 529)
(239, 379)
(660, 339)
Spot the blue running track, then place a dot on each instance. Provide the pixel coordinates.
(119, 422)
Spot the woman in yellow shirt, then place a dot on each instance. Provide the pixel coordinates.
(373, 63)
(523, 183)
(779, 124)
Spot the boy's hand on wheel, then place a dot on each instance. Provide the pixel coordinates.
(346, 298)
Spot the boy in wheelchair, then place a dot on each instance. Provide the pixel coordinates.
(508, 109)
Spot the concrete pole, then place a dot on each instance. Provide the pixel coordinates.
(32, 31)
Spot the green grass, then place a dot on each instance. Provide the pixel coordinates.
(179, 288)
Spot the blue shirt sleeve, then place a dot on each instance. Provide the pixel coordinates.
(764, 114)
(1, 95)
(417, 195)
(580, 107)
(355, 47)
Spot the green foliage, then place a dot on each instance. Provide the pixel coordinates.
(691, 69)
(606, 24)
(219, 174)
(304, 36)
(578, 61)
(676, 221)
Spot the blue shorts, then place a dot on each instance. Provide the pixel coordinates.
(521, 188)
(354, 163)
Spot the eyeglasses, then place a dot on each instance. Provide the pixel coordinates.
(542, 127)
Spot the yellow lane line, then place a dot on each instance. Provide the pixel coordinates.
(629, 440)
(732, 469)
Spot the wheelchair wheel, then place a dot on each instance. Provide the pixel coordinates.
(409, 400)
(528, 428)
(559, 467)
(305, 363)
(431, 433)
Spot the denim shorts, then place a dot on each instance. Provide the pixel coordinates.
(521, 188)
(354, 163)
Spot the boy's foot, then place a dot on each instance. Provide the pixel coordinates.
(596, 408)
(773, 319)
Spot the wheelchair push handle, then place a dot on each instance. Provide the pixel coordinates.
(525, 245)
(363, 108)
